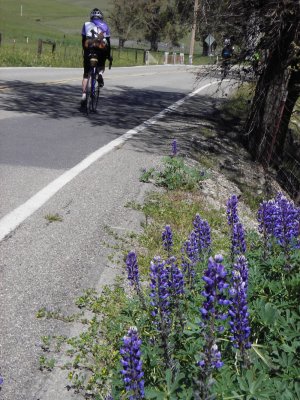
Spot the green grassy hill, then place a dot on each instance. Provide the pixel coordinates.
(46, 19)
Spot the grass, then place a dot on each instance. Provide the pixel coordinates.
(52, 19)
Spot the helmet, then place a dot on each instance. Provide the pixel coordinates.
(96, 13)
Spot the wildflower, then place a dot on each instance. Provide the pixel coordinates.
(133, 275)
(159, 285)
(1, 381)
(132, 365)
(212, 312)
(232, 213)
(202, 234)
(161, 303)
(132, 269)
(167, 238)
(238, 243)
(190, 257)
(238, 309)
(213, 359)
(286, 228)
(214, 290)
(174, 148)
(176, 278)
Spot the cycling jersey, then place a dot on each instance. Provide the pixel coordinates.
(96, 26)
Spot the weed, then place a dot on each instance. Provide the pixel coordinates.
(53, 218)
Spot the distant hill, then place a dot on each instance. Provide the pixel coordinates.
(46, 19)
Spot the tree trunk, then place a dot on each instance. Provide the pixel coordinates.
(292, 97)
(266, 126)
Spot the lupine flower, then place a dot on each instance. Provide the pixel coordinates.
(167, 238)
(232, 213)
(133, 275)
(212, 312)
(160, 303)
(214, 290)
(174, 148)
(132, 371)
(202, 232)
(287, 225)
(238, 309)
(213, 358)
(132, 269)
(190, 257)
(213, 308)
(238, 243)
(266, 216)
(280, 219)
(175, 278)
(159, 285)
(1, 381)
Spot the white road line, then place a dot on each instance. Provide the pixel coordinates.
(12, 220)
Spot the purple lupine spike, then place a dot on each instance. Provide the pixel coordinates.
(133, 275)
(214, 358)
(159, 285)
(238, 309)
(176, 278)
(286, 230)
(202, 233)
(132, 371)
(213, 311)
(190, 258)
(214, 290)
(174, 148)
(167, 238)
(238, 243)
(132, 269)
(232, 212)
(160, 303)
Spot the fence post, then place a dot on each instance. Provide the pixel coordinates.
(181, 58)
(146, 57)
(174, 58)
(166, 57)
(40, 47)
(0, 38)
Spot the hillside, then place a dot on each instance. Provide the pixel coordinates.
(41, 19)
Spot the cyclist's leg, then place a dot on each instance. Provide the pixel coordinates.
(86, 66)
(101, 65)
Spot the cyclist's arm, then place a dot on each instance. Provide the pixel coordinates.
(83, 41)
(108, 47)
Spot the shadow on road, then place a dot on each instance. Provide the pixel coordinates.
(122, 108)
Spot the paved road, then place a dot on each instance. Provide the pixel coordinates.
(43, 137)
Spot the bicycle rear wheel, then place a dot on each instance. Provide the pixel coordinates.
(92, 94)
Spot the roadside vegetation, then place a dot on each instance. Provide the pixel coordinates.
(207, 308)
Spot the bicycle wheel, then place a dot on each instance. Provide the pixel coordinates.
(92, 93)
(89, 95)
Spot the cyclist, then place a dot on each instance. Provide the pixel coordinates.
(228, 50)
(95, 40)
(227, 53)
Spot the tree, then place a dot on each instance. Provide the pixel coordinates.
(125, 18)
(277, 89)
(270, 27)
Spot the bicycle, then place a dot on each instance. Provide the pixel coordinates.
(225, 67)
(93, 87)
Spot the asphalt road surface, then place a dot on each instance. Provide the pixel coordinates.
(55, 160)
